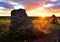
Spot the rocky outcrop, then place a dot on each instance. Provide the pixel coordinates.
(20, 20)
(53, 20)
(21, 26)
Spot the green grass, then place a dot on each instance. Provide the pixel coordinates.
(55, 26)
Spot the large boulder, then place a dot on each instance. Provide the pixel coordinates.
(21, 25)
(20, 20)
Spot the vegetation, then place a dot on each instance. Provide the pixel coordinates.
(6, 35)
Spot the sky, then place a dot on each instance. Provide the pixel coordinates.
(32, 7)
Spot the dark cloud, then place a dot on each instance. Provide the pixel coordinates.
(6, 5)
(28, 1)
(55, 4)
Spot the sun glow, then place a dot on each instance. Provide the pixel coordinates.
(43, 15)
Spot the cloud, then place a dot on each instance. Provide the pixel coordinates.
(6, 5)
(56, 5)
(16, 5)
(42, 8)
(13, 3)
(24, 1)
(2, 7)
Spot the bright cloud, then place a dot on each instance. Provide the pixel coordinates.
(16, 5)
(2, 7)
(19, 7)
(47, 5)
(53, 0)
(41, 8)
(13, 3)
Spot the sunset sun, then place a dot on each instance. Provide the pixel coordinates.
(43, 15)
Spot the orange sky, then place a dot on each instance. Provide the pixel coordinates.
(39, 8)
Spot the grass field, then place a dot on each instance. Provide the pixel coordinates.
(5, 22)
(37, 21)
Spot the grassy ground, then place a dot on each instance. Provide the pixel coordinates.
(37, 21)
(5, 23)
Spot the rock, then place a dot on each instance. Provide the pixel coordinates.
(20, 20)
(53, 20)
(21, 26)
